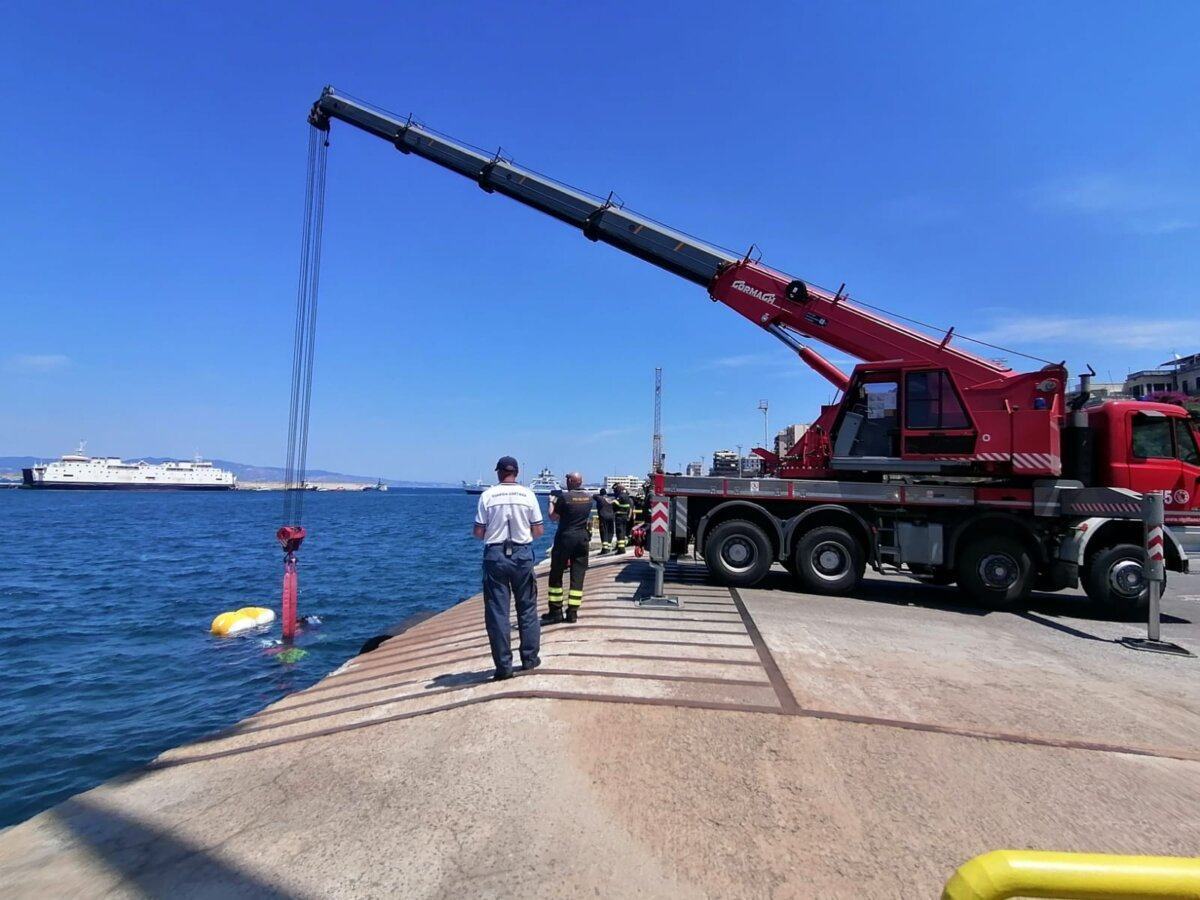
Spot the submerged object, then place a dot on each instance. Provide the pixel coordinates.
(260, 614)
(240, 620)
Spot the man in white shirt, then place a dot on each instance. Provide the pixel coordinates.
(507, 521)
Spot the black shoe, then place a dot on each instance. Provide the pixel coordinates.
(502, 676)
(530, 666)
(553, 617)
(572, 615)
(603, 553)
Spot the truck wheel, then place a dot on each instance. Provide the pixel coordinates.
(738, 552)
(995, 570)
(828, 560)
(1115, 580)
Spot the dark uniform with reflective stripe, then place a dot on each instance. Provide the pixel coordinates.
(573, 509)
(607, 517)
(623, 509)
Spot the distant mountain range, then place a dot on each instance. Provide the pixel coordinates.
(11, 466)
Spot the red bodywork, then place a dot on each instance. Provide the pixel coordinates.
(1005, 422)
(1149, 447)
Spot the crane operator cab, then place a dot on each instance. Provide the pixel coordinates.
(870, 425)
(902, 421)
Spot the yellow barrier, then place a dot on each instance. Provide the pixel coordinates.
(1040, 873)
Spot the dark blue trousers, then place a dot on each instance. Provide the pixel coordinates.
(508, 578)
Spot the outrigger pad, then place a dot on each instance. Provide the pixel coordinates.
(1150, 646)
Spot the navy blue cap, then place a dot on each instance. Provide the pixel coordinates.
(507, 464)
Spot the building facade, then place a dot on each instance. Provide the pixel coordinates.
(633, 483)
(786, 439)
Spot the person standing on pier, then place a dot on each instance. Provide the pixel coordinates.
(507, 520)
(624, 513)
(571, 509)
(607, 519)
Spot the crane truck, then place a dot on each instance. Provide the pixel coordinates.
(935, 462)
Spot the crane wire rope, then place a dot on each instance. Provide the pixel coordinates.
(291, 534)
(304, 342)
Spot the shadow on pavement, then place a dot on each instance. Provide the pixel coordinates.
(156, 862)
(951, 599)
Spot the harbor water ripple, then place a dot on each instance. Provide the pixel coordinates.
(106, 600)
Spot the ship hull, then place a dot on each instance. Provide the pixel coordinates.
(28, 481)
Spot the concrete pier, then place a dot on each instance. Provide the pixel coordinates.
(755, 742)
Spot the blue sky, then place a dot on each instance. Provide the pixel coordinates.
(1024, 172)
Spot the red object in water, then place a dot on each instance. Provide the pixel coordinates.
(290, 590)
(290, 537)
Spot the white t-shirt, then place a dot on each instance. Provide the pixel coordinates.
(508, 512)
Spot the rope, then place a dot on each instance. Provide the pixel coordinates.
(304, 341)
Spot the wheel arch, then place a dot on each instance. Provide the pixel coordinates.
(740, 509)
(826, 514)
(995, 523)
(1101, 533)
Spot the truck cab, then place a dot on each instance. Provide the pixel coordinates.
(1152, 447)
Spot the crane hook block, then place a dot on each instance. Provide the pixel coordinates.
(290, 537)
(797, 291)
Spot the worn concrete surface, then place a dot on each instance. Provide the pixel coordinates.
(755, 743)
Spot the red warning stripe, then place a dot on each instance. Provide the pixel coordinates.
(659, 518)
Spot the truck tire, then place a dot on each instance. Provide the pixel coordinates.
(1115, 581)
(995, 570)
(738, 553)
(828, 560)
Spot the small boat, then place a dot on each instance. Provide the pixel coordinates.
(475, 487)
(377, 486)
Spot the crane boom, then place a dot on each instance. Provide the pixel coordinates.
(962, 414)
(767, 297)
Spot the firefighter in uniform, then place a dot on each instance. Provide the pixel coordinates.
(607, 518)
(572, 509)
(624, 511)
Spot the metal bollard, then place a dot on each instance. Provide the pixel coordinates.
(1156, 576)
(660, 550)
(1156, 570)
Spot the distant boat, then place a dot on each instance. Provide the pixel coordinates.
(78, 471)
(475, 487)
(377, 486)
(545, 483)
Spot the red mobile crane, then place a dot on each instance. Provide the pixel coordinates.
(936, 461)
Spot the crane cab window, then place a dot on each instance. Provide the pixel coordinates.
(930, 402)
(1152, 437)
(871, 425)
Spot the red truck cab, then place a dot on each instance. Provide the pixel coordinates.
(1149, 447)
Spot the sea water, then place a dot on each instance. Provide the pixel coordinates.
(106, 599)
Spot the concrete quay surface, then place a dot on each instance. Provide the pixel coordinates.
(756, 742)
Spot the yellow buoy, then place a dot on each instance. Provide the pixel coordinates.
(260, 614)
(232, 623)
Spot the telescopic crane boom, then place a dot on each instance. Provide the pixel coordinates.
(962, 413)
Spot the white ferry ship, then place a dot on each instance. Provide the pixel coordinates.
(545, 483)
(78, 471)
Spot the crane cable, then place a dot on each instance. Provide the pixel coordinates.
(292, 533)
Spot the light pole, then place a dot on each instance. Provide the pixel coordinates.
(762, 405)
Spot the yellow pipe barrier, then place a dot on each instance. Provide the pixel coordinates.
(1041, 873)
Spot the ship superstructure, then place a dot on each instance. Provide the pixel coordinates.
(545, 483)
(78, 471)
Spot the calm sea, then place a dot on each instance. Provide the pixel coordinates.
(106, 599)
